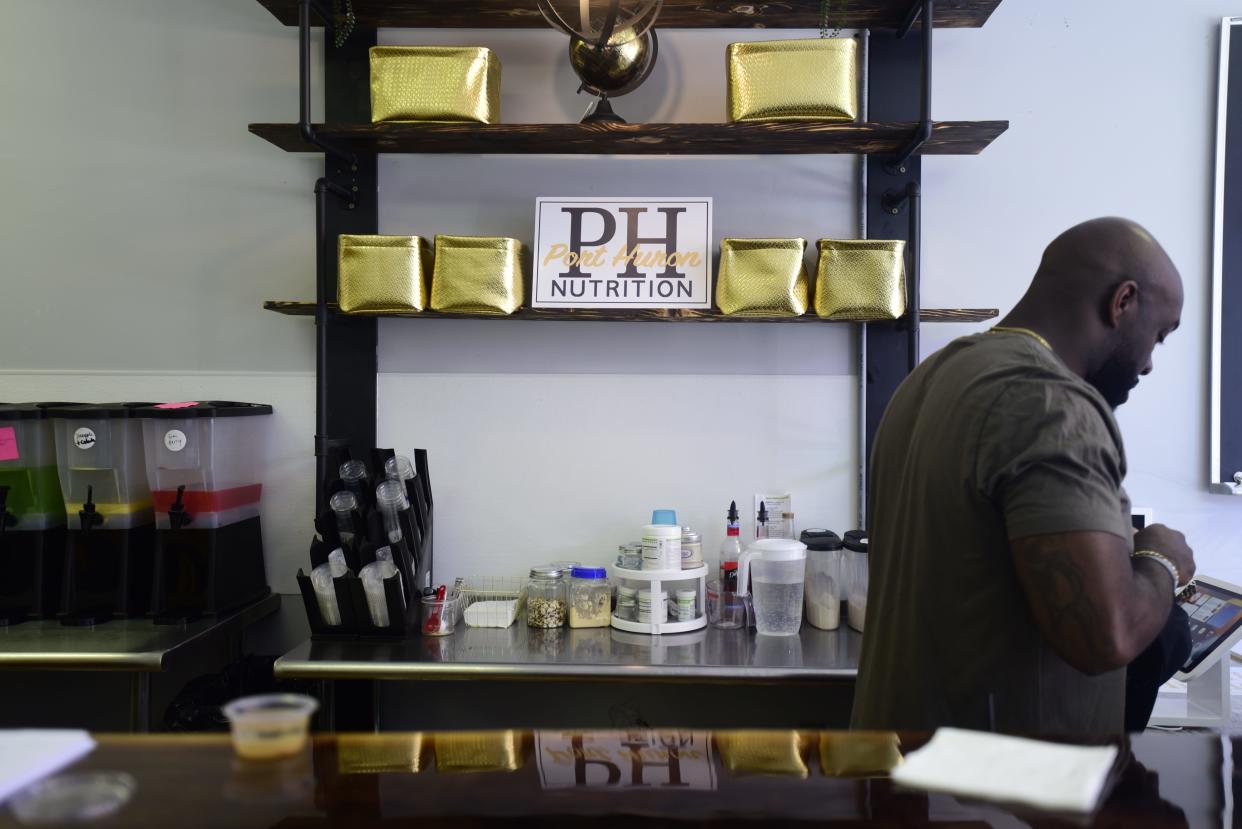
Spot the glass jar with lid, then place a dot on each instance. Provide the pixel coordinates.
(590, 598)
(547, 599)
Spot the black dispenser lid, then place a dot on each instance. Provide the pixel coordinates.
(96, 411)
(29, 411)
(857, 541)
(205, 408)
(821, 540)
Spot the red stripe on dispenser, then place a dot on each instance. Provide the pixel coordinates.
(215, 501)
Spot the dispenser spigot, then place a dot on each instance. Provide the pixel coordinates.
(177, 515)
(7, 519)
(88, 517)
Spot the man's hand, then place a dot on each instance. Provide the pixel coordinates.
(1169, 543)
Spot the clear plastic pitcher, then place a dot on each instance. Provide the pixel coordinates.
(774, 570)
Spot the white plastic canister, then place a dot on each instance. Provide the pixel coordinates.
(661, 547)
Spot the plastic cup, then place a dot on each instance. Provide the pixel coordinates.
(269, 726)
(399, 468)
(373, 576)
(725, 610)
(325, 595)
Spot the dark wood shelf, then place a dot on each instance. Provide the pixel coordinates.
(676, 14)
(768, 138)
(307, 309)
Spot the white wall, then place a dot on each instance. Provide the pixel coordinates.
(148, 227)
(1113, 111)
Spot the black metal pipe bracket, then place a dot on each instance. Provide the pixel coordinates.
(322, 188)
(305, 127)
(894, 202)
(924, 9)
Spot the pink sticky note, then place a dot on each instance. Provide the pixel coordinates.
(177, 405)
(8, 443)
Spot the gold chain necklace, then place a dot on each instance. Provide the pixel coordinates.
(1012, 329)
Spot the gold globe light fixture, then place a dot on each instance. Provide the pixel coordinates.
(612, 46)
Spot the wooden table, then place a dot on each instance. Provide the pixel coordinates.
(393, 780)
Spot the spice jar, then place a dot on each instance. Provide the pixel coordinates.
(546, 597)
(630, 556)
(590, 598)
(691, 549)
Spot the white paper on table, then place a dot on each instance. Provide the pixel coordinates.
(29, 755)
(1009, 769)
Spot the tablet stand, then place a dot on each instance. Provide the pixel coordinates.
(1205, 703)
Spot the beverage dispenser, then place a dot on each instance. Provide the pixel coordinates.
(203, 462)
(32, 515)
(111, 526)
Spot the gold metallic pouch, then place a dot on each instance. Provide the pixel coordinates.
(382, 274)
(762, 278)
(794, 80)
(435, 83)
(859, 753)
(763, 752)
(861, 279)
(478, 275)
(476, 751)
(380, 753)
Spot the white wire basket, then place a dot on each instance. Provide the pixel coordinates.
(492, 601)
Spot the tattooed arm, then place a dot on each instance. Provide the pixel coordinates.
(1095, 605)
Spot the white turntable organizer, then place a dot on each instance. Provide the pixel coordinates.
(659, 581)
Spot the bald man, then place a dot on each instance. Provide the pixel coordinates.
(1008, 591)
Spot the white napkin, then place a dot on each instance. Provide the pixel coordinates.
(29, 755)
(1009, 769)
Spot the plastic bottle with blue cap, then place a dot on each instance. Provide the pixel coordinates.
(662, 541)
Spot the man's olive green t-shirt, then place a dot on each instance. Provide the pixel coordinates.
(993, 438)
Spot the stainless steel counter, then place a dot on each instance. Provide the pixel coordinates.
(118, 645)
(520, 652)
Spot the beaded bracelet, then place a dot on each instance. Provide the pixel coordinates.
(1164, 562)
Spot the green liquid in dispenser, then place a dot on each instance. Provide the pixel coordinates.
(32, 490)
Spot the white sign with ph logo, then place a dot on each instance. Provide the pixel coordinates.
(623, 253)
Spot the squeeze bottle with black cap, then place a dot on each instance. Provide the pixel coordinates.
(730, 552)
(761, 522)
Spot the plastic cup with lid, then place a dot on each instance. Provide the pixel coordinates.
(270, 726)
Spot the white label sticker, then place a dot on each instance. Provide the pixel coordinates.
(174, 440)
(84, 438)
